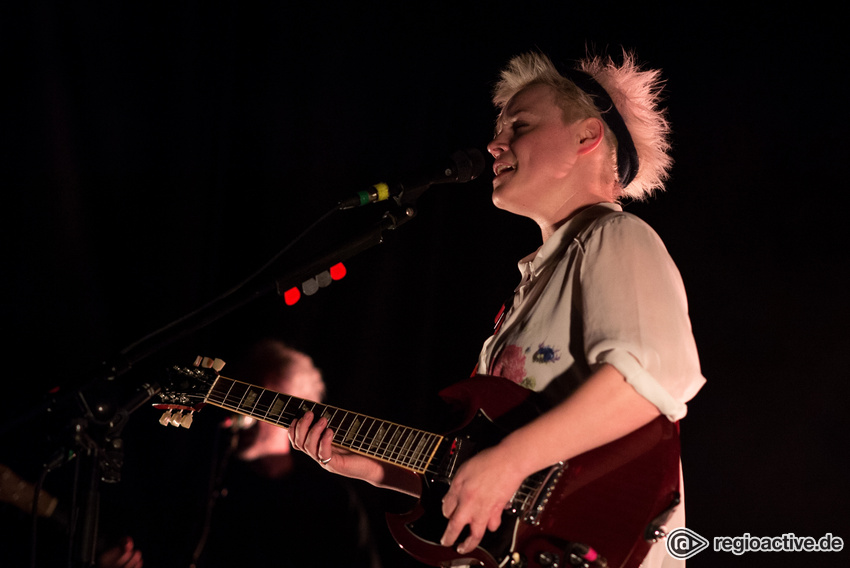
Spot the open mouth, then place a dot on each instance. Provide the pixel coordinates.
(502, 168)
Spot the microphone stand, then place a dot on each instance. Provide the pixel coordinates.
(97, 421)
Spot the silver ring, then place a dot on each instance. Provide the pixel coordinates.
(325, 462)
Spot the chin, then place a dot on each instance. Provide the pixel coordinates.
(499, 199)
(503, 202)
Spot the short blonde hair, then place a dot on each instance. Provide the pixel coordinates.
(636, 94)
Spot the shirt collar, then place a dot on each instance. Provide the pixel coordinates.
(532, 264)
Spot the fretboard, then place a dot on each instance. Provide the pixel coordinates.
(387, 441)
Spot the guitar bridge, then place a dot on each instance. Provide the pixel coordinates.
(537, 490)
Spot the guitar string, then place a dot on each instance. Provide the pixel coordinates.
(410, 455)
(416, 460)
(421, 442)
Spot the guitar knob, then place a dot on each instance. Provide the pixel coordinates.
(585, 556)
(547, 559)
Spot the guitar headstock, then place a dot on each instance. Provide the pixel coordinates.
(185, 390)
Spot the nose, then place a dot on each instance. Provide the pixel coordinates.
(497, 146)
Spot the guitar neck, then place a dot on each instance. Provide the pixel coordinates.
(393, 443)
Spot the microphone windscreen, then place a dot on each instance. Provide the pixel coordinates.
(470, 164)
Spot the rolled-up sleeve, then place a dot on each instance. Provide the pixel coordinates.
(636, 314)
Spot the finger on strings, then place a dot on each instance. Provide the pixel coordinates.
(326, 443)
(314, 434)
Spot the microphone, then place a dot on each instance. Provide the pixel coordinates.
(237, 422)
(462, 166)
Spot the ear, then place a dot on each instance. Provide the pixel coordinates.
(591, 133)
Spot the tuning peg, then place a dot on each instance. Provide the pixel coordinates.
(165, 419)
(177, 418)
(187, 419)
(209, 363)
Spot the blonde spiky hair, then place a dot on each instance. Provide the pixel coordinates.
(636, 94)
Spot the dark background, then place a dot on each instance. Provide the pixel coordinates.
(154, 156)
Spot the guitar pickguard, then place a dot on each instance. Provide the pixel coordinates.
(479, 434)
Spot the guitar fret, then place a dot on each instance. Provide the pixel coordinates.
(408, 457)
(275, 401)
(422, 455)
(304, 407)
(359, 424)
(326, 413)
(365, 436)
(377, 440)
(247, 390)
(208, 396)
(223, 403)
(341, 432)
(404, 449)
(232, 384)
(251, 396)
(418, 452)
(285, 406)
(331, 419)
(278, 409)
(258, 411)
(236, 393)
(393, 443)
(435, 445)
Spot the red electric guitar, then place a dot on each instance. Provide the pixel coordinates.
(602, 508)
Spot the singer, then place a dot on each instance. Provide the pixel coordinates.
(599, 323)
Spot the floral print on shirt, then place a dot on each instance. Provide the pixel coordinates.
(510, 364)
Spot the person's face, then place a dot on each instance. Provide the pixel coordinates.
(534, 151)
(300, 379)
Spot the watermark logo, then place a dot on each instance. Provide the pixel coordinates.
(684, 543)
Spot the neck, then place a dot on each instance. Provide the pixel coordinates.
(548, 228)
(586, 186)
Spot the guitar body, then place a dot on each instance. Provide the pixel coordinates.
(599, 503)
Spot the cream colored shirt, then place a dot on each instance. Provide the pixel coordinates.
(602, 289)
